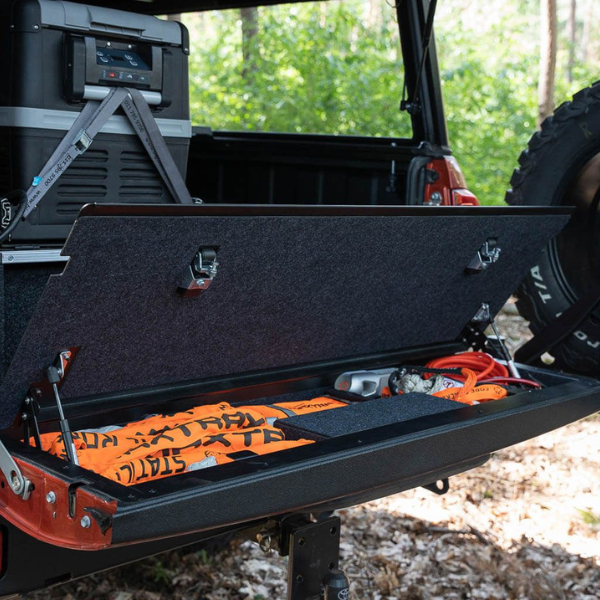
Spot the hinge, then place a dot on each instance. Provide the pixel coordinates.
(18, 483)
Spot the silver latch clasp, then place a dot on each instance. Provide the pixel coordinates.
(487, 255)
(198, 277)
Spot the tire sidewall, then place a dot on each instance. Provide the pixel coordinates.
(557, 153)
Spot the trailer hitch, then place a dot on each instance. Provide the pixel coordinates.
(312, 545)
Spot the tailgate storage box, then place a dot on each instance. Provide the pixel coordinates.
(283, 300)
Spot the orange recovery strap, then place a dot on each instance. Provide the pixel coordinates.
(164, 445)
(470, 392)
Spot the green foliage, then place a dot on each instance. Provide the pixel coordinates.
(204, 557)
(489, 68)
(589, 518)
(316, 68)
(336, 68)
(160, 574)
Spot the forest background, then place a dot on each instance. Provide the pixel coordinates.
(336, 67)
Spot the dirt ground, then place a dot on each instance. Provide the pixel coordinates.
(524, 526)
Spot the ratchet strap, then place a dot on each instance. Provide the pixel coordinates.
(88, 124)
(204, 436)
(556, 331)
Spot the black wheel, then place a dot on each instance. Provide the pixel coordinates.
(562, 166)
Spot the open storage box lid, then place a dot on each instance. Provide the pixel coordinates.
(294, 286)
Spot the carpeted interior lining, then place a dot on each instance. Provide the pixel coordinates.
(290, 290)
(362, 416)
(22, 286)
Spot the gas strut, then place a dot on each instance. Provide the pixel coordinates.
(55, 375)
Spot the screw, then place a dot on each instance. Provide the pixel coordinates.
(11, 258)
(38, 392)
(435, 199)
(129, 47)
(86, 522)
(36, 27)
(108, 44)
(15, 483)
(50, 497)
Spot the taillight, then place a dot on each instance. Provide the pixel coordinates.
(464, 198)
(446, 185)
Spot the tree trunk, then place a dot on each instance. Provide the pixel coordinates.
(547, 59)
(586, 51)
(375, 13)
(249, 17)
(572, 33)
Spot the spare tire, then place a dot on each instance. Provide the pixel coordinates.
(561, 166)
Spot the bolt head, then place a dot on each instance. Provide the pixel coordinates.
(50, 497)
(85, 522)
(435, 198)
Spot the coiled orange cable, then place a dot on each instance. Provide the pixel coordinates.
(482, 364)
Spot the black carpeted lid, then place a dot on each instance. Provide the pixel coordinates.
(295, 285)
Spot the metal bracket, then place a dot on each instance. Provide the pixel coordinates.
(313, 548)
(483, 314)
(487, 255)
(199, 276)
(439, 487)
(18, 483)
(31, 427)
(42, 391)
(6, 213)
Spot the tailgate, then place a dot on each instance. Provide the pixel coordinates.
(300, 295)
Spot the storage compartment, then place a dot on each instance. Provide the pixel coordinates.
(202, 436)
(153, 325)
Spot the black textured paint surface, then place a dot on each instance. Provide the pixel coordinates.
(361, 416)
(290, 290)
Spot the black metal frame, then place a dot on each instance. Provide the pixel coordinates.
(299, 210)
(383, 461)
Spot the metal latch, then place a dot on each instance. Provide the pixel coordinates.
(487, 255)
(199, 276)
(18, 483)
